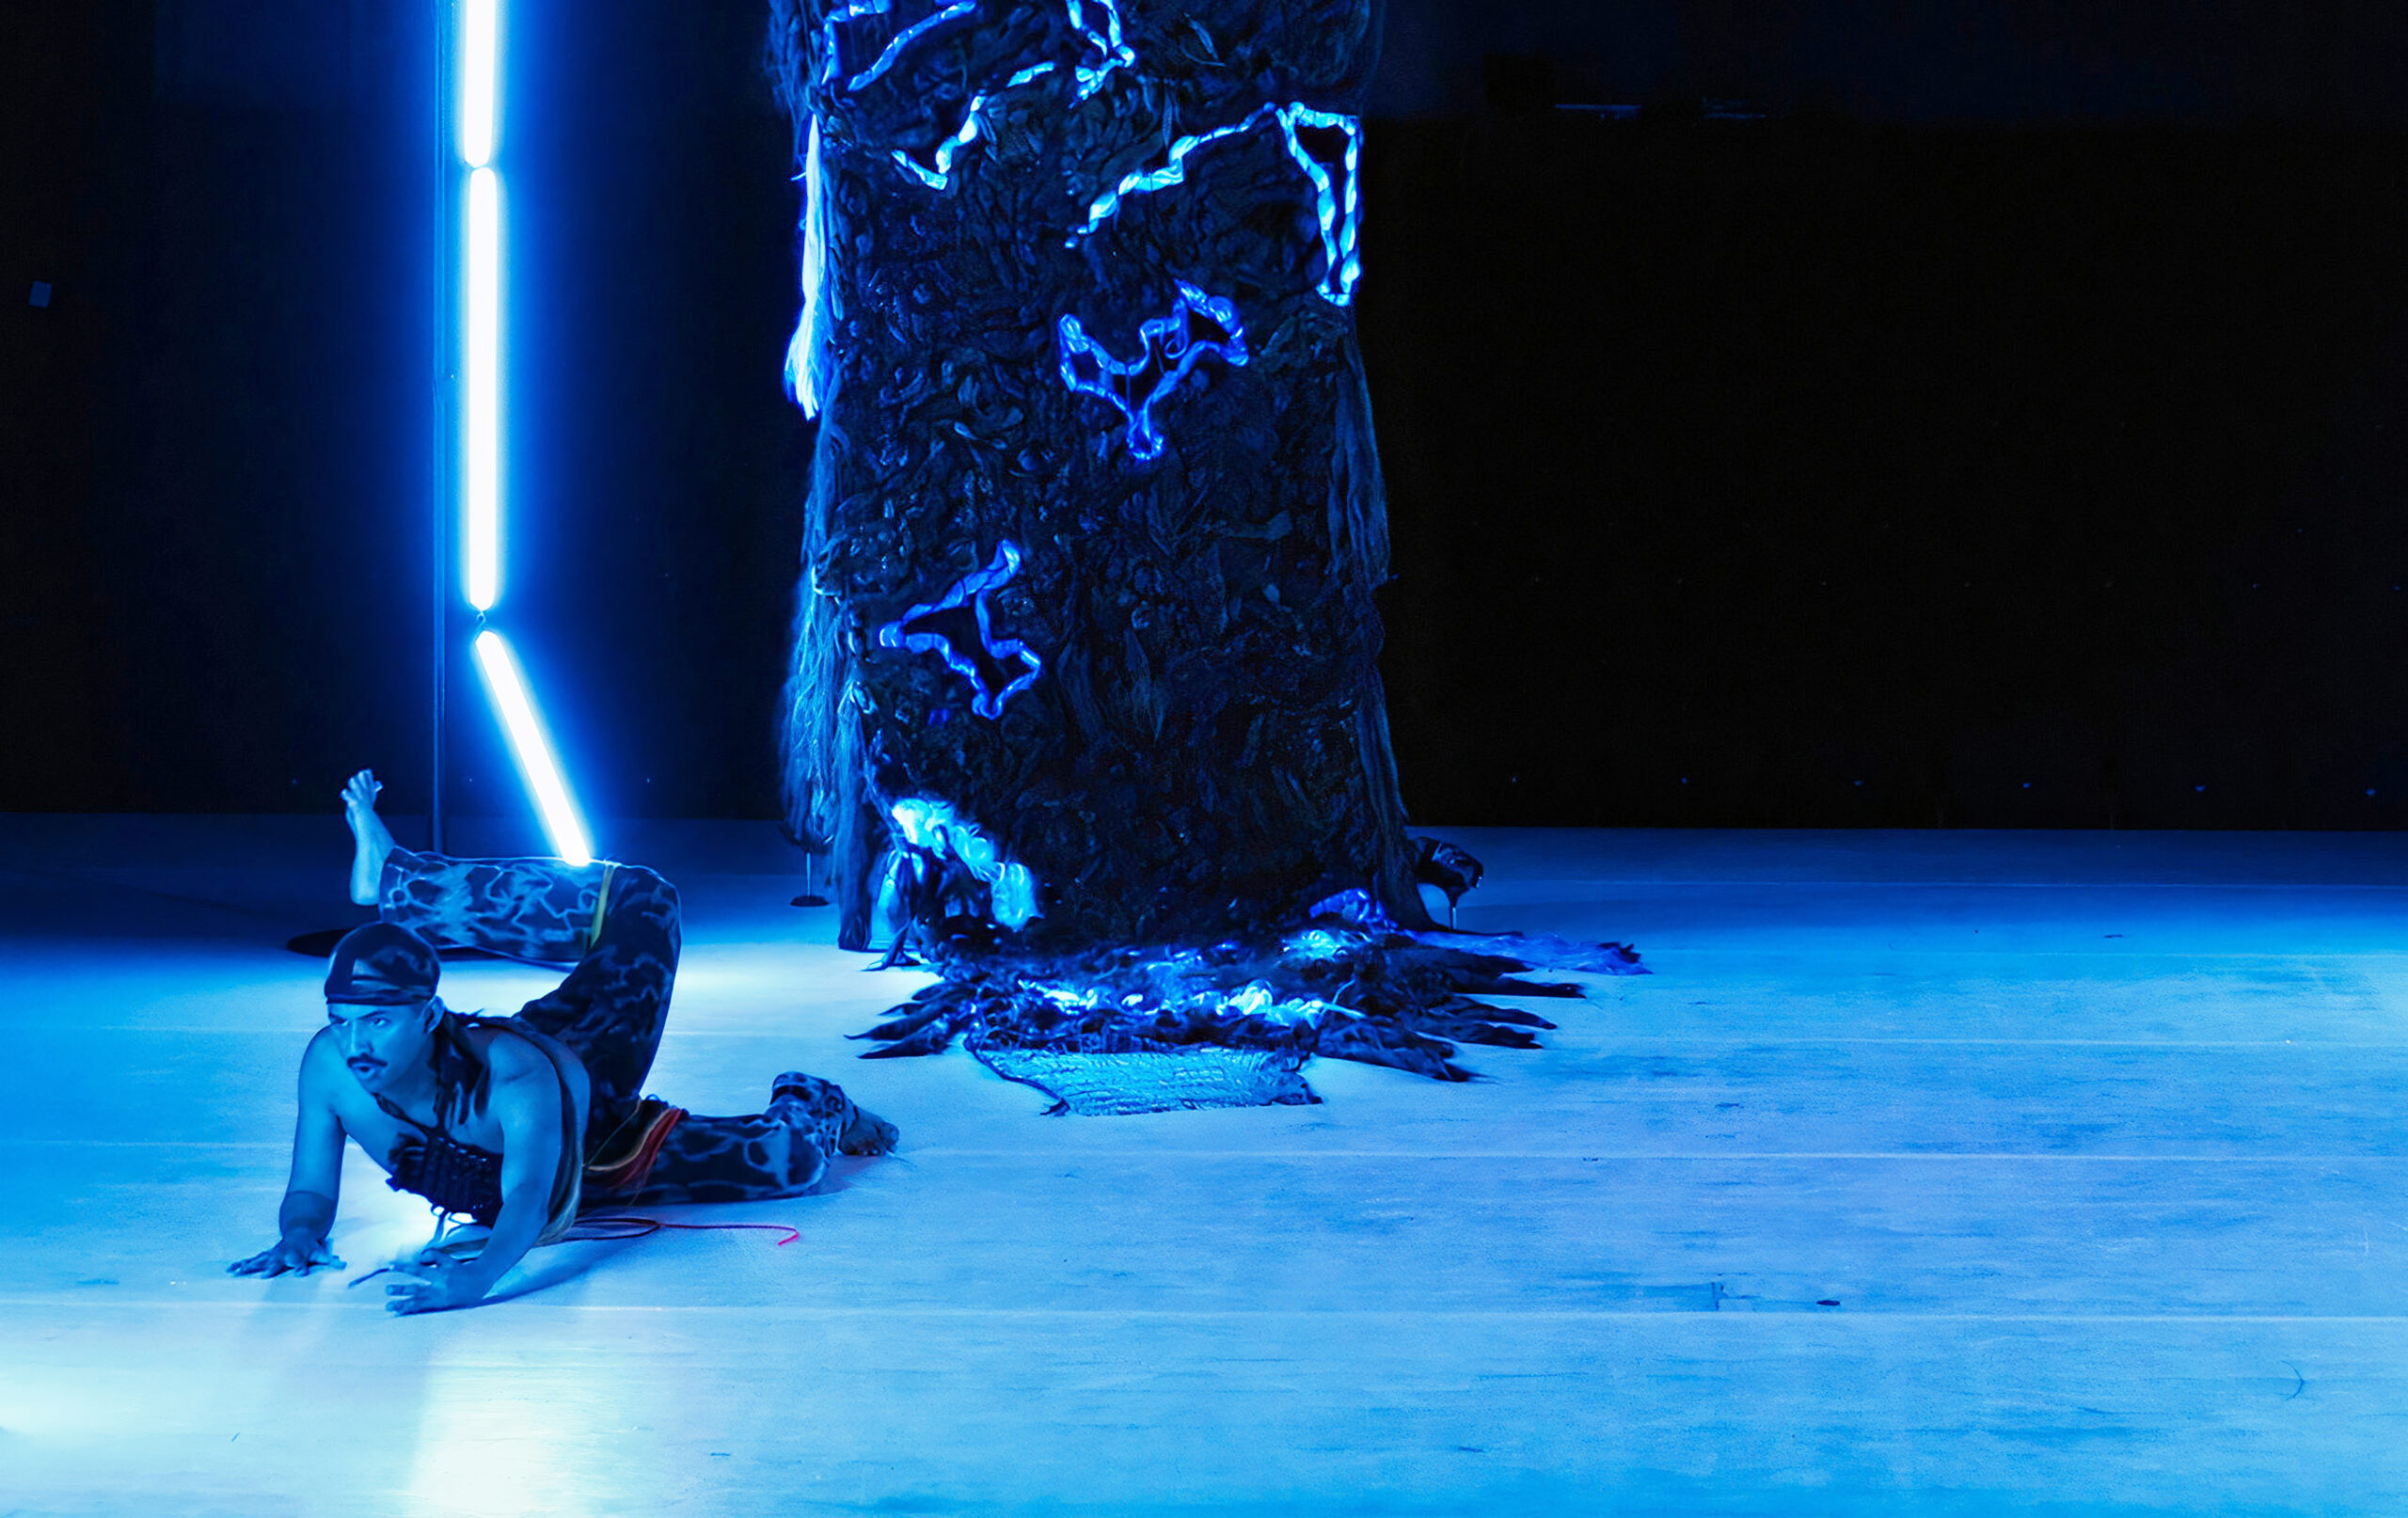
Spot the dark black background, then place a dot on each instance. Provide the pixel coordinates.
(2005, 429)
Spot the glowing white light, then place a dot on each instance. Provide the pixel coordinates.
(802, 351)
(533, 750)
(1316, 943)
(513, 1447)
(480, 74)
(935, 826)
(481, 391)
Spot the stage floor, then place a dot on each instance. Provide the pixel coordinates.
(1930, 1172)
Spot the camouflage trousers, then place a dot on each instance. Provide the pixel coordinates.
(619, 924)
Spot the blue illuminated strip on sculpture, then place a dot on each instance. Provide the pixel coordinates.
(941, 175)
(1339, 210)
(1168, 348)
(935, 167)
(959, 627)
(1110, 49)
(1316, 943)
(831, 34)
(905, 38)
(1173, 170)
(1115, 53)
(938, 172)
(1166, 995)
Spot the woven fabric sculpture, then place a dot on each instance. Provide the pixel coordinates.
(1095, 519)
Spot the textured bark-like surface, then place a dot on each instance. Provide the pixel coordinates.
(1083, 289)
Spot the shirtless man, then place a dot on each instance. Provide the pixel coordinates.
(519, 1123)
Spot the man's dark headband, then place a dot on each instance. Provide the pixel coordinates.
(383, 964)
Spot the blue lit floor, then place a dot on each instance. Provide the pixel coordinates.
(2097, 1141)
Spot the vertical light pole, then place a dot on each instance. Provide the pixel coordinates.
(475, 188)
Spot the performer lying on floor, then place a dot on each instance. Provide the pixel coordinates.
(520, 1122)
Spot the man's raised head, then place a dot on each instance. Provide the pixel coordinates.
(380, 999)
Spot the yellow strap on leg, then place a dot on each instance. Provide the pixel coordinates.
(601, 906)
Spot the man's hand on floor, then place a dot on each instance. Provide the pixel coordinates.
(300, 1256)
(436, 1282)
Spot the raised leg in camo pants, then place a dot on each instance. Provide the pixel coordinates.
(619, 924)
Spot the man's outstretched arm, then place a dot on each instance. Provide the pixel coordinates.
(527, 1102)
(316, 1181)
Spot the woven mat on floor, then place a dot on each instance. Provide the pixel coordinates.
(1201, 1075)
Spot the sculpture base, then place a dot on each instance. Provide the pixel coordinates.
(1346, 983)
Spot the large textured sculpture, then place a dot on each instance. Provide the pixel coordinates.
(1094, 520)
(1085, 678)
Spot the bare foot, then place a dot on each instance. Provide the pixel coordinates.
(868, 1133)
(370, 842)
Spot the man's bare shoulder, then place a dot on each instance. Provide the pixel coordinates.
(514, 1057)
(320, 1063)
(327, 1082)
(535, 1067)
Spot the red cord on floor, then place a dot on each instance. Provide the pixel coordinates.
(631, 1226)
(627, 1225)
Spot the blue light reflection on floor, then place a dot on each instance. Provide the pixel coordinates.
(1909, 1072)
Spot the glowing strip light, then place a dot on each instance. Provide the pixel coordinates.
(534, 754)
(481, 391)
(480, 422)
(479, 79)
(1339, 215)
